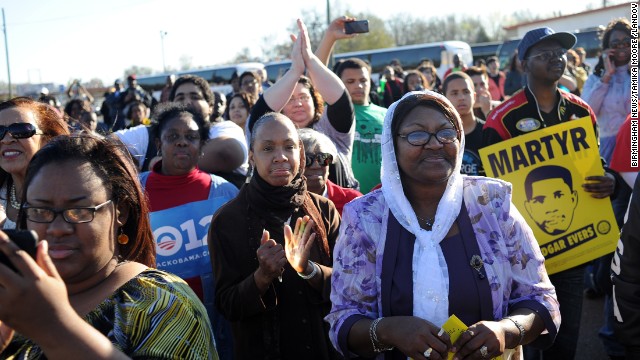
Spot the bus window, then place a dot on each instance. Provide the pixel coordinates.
(484, 50)
(505, 52)
(223, 76)
(275, 70)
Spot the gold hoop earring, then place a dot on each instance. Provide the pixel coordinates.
(123, 239)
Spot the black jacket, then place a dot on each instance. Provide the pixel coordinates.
(626, 280)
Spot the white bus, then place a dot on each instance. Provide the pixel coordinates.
(219, 77)
(410, 56)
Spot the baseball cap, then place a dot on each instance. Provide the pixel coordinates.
(532, 37)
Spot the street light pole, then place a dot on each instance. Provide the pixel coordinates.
(162, 35)
(6, 49)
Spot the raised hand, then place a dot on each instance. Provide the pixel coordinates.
(305, 45)
(336, 31)
(298, 244)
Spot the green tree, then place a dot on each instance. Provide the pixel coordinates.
(138, 70)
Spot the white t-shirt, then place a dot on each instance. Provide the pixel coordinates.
(137, 139)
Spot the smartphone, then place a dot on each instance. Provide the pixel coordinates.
(356, 27)
(25, 239)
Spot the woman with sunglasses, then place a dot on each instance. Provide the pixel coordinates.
(92, 290)
(272, 283)
(302, 99)
(25, 126)
(433, 243)
(181, 200)
(608, 89)
(319, 154)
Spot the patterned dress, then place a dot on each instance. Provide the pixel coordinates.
(155, 315)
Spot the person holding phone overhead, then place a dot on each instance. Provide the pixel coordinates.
(302, 100)
(92, 290)
(608, 89)
(25, 126)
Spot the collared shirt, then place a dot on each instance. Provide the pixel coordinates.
(521, 115)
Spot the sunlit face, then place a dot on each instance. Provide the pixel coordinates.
(432, 162)
(238, 113)
(480, 83)
(275, 153)
(251, 85)
(619, 40)
(191, 94)
(358, 84)
(79, 251)
(316, 173)
(180, 144)
(548, 71)
(138, 113)
(413, 82)
(15, 154)
(552, 205)
(300, 107)
(462, 95)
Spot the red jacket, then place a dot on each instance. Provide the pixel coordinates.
(340, 196)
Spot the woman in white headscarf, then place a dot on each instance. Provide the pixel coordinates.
(432, 243)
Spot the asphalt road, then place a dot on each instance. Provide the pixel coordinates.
(589, 344)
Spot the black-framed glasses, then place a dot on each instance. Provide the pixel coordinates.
(549, 54)
(79, 215)
(421, 137)
(324, 159)
(19, 130)
(624, 43)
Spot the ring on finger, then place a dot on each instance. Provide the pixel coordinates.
(484, 351)
(441, 332)
(427, 353)
(471, 332)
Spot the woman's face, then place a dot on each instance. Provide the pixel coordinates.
(80, 252)
(190, 94)
(413, 81)
(276, 152)
(300, 107)
(238, 113)
(15, 154)
(316, 173)
(180, 145)
(430, 163)
(251, 85)
(621, 43)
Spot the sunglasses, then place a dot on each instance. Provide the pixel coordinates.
(324, 159)
(19, 130)
(625, 43)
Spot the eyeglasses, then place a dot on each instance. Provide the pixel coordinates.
(324, 159)
(19, 130)
(549, 54)
(302, 98)
(79, 215)
(420, 138)
(624, 43)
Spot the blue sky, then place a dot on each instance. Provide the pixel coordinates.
(59, 40)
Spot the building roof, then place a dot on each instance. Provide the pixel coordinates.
(515, 26)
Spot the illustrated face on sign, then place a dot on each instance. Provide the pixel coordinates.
(551, 200)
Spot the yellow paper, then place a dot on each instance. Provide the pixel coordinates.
(455, 327)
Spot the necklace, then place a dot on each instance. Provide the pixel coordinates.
(428, 222)
(13, 199)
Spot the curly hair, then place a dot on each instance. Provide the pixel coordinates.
(620, 24)
(318, 103)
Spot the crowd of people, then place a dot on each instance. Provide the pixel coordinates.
(318, 217)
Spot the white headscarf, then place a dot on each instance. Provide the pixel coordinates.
(430, 273)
